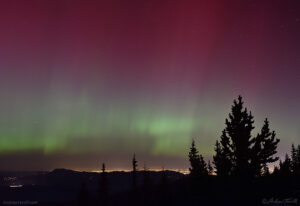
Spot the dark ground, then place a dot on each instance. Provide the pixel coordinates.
(66, 187)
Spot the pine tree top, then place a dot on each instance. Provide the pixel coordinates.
(134, 163)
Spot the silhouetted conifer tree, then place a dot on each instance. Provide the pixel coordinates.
(264, 149)
(134, 170)
(197, 163)
(103, 168)
(203, 166)
(285, 167)
(134, 163)
(103, 187)
(295, 160)
(223, 157)
(240, 154)
(134, 196)
(218, 159)
(238, 128)
(194, 160)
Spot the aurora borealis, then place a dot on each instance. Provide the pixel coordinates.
(86, 82)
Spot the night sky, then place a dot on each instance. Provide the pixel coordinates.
(86, 82)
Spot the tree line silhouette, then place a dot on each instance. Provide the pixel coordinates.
(240, 166)
(238, 153)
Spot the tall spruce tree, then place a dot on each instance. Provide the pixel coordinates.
(294, 159)
(285, 167)
(223, 157)
(194, 160)
(240, 154)
(103, 168)
(238, 128)
(218, 159)
(198, 165)
(203, 167)
(264, 149)
(134, 170)
(103, 187)
(134, 163)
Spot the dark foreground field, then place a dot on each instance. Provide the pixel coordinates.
(66, 187)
